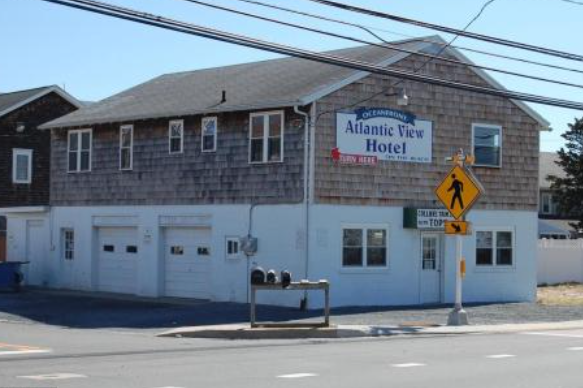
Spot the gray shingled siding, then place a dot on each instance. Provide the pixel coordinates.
(514, 186)
(193, 177)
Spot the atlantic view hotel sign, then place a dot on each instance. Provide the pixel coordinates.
(382, 134)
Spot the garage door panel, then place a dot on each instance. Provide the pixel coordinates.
(117, 267)
(187, 273)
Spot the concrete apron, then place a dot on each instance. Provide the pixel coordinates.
(244, 332)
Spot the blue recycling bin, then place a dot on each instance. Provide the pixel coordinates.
(11, 274)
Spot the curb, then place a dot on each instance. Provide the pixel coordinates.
(244, 332)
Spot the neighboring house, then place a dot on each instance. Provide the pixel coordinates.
(155, 190)
(24, 150)
(553, 223)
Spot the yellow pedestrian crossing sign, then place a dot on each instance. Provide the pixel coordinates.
(458, 191)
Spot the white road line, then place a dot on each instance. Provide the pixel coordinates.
(297, 375)
(407, 365)
(555, 334)
(576, 348)
(23, 352)
(53, 376)
(497, 356)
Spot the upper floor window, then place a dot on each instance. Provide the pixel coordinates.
(494, 248)
(126, 147)
(176, 136)
(21, 166)
(487, 143)
(209, 134)
(266, 137)
(79, 150)
(364, 247)
(548, 204)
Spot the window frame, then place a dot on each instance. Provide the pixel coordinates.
(232, 256)
(19, 152)
(170, 137)
(265, 157)
(80, 132)
(365, 267)
(500, 147)
(552, 206)
(495, 266)
(64, 244)
(216, 120)
(130, 147)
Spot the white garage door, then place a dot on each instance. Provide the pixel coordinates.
(118, 259)
(187, 257)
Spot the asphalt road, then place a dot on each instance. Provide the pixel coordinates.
(48, 356)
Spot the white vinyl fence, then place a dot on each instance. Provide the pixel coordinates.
(560, 261)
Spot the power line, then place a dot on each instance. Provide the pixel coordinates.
(389, 45)
(369, 29)
(417, 69)
(573, 2)
(219, 35)
(449, 30)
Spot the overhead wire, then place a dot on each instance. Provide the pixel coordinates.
(369, 29)
(389, 45)
(219, 35)
(454, 31)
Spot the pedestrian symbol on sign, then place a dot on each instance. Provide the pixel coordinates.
(458, 191)
(457, 187)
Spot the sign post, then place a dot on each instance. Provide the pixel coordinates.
(458, 191)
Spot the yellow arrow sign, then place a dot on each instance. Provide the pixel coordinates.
(458, 191)
(457, 227)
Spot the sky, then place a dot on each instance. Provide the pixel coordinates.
(93, 56)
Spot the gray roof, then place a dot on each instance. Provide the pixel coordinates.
(555, 227)
(8, 100)
(258, 85)
(14, 100)
(547, 166)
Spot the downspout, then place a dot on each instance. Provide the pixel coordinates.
(306, 202)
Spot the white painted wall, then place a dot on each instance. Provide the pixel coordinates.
(399, 284)
(280, 230)
(560, 261)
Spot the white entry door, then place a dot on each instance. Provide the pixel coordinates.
(117, 260)
(187, 262)
(431, 261)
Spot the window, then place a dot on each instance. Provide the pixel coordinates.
(131, 249)
(203, 251)
(126, 147)
(176, 136)
(429, 247)
(494, 248)
(177, 250)
(21, 166)
(232, 247)
(68, 239)
(266, 137)
(364, 247)
(79, 149)
(487, 143)
(108, 248)
(209, 134)
(547, 204)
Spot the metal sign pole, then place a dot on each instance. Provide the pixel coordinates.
(458, 316)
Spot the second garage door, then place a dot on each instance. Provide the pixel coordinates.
(118, 259)
(187, 257)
